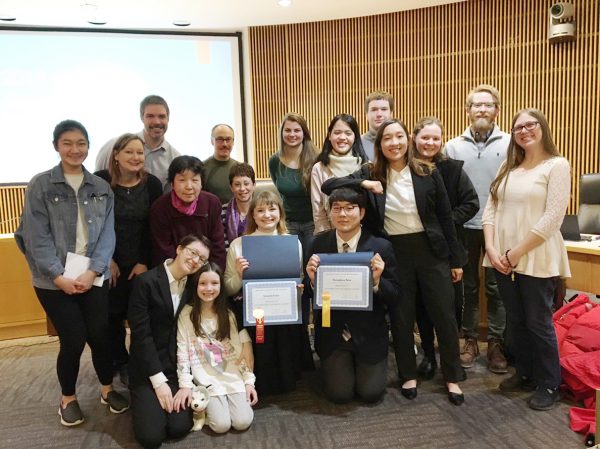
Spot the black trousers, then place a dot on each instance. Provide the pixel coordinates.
(426, 325)
(528, 301)
(420, 270)
(344, 376)
(151, 424)
(79, 319)
(118, 300)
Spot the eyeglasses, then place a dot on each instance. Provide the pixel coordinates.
(195, 255)
(529, 126)
(224, 139)
(336, 210)
(483, 105)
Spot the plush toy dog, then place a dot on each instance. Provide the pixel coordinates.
(200, 399)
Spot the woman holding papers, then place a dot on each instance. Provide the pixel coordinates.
(135, 191)
(427, 141)
(408, 203)
(154, 307)
(342, 154)
(67, 209)
(285, 352)
(521, 226)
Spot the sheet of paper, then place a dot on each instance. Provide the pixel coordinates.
(76, 264)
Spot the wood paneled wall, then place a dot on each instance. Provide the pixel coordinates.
(429, 59)
(11, 204)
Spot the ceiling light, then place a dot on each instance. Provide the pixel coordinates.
(7, 17)
(97, 21)
(284, 3)
(181, 23)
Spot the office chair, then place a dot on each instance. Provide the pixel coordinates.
(589, 204)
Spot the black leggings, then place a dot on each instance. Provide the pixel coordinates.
(118, 300)
(79, 319)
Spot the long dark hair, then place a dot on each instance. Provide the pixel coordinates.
(220, 305)
(379, 169)
(357, 148)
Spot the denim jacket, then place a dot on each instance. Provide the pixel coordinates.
(48, 227)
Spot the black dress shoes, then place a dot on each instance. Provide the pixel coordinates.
(456, 398)
(427, 367)
(409, 393)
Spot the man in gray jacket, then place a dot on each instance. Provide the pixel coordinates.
(482, 147)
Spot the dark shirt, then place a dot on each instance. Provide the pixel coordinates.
(132, 220)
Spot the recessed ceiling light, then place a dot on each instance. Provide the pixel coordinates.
(181, 23)
(284, 2)
(7, 17)
(97, 21)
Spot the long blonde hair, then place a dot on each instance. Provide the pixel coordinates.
(113, 167)
(308, 155)
(265, 198)
(515, 154)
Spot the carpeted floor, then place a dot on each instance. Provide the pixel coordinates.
(304, 419)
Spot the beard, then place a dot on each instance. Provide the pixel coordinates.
(482, 124)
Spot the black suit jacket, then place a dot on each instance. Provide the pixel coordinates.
(153, 326)
(368, 328)
(433, 207)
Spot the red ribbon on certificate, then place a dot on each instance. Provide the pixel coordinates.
(259, 314)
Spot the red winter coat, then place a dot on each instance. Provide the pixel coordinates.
(577, 327)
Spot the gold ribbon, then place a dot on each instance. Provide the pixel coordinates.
(326, 310)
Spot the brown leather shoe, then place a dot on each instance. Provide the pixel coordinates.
(495, 357)
(469, 353)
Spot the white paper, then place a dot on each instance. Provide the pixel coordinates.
(76, 264)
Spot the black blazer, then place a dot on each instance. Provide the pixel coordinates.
(153, 325)
(368, 328)
(433, 207)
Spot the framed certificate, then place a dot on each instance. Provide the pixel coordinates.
(350, 287)
(279, 299)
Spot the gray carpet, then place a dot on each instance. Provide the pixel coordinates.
(303, 419)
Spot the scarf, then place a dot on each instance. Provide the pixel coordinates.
(235, 224)
(343, 165)
(180, 206)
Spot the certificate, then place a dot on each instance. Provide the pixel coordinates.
(279, 299)
(347, 278)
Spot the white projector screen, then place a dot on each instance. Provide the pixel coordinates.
(99, 79)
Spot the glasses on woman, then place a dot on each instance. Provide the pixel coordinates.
(195, 255)
(529, 126)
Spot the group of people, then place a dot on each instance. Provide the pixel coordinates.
(161, 236)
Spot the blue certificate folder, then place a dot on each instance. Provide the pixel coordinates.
(275, 260)
(338, 265)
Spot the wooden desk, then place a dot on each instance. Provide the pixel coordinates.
(21, 313)
(584, 258)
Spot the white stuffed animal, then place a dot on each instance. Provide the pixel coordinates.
(200, 399)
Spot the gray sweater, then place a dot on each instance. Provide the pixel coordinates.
(482, 161)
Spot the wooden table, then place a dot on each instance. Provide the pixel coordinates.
(584, 258)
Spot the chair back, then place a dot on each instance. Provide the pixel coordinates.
(589, 204)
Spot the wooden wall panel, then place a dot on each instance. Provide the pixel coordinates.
(429, 59)
(11, 204)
